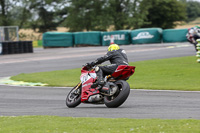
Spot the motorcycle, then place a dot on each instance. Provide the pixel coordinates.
(84, 93)
(192, 38)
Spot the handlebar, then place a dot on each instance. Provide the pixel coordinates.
(88, 67)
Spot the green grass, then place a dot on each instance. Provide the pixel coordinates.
(56, 124)
(181, 73)
(53, 78)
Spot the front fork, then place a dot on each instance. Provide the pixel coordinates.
(78, 85)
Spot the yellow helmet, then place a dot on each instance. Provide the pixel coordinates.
(113, 47)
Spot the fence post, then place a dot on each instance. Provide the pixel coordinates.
(1, 48)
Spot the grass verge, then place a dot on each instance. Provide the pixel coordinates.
(181, 73)
(56, 124)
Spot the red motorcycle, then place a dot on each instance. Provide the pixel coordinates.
(83, 93)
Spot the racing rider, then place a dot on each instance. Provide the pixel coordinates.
(116, 56)
(193, 34)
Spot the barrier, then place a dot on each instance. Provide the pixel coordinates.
(37, 43)
(16, 47)
(121, 37)
(198, 52)
(87, 38)
(147, 35)
(57, 39)
(40, 43)
(174, 35)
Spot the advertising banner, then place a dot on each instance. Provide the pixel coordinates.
(148, 35)
(120, 37)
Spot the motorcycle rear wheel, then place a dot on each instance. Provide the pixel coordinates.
(74, 97)
(120, 96)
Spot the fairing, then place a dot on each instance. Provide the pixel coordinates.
(89, 77)
(123, 72)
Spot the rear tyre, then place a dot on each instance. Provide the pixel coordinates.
(120, 96)
(74, 97)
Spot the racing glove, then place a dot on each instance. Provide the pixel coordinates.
(92, 64)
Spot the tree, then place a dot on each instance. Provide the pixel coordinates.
(20, 14)
(138, 11)
(119, 12)
(4, 16)
(14, 12)
(86, 15)
(41, 14)
(164, 13)
(79, 15)
(101, 14)
(193, 10)
(48, 14)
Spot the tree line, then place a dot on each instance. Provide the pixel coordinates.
(91, 15)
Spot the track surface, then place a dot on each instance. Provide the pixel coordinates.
(16, 101)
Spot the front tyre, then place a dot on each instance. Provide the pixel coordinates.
(74, 97)
(120, 96)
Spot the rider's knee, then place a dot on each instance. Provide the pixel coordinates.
(97, 69)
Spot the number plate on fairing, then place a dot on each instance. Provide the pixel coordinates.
(86, 77)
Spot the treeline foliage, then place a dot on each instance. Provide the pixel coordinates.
(193, 10)
(79, 15)
(163, 13)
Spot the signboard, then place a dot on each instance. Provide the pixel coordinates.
(143, 35)
(148, 35)
(119, 37)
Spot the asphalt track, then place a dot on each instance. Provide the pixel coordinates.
(17, 100)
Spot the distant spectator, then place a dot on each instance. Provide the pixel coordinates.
(193, 34)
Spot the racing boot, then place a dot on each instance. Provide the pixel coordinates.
(100, 81)
(109, 89)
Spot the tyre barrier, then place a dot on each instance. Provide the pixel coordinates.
(16, 47)
(198, 52)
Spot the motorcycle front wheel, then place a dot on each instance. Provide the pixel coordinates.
(120, 96)
(74, 97)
